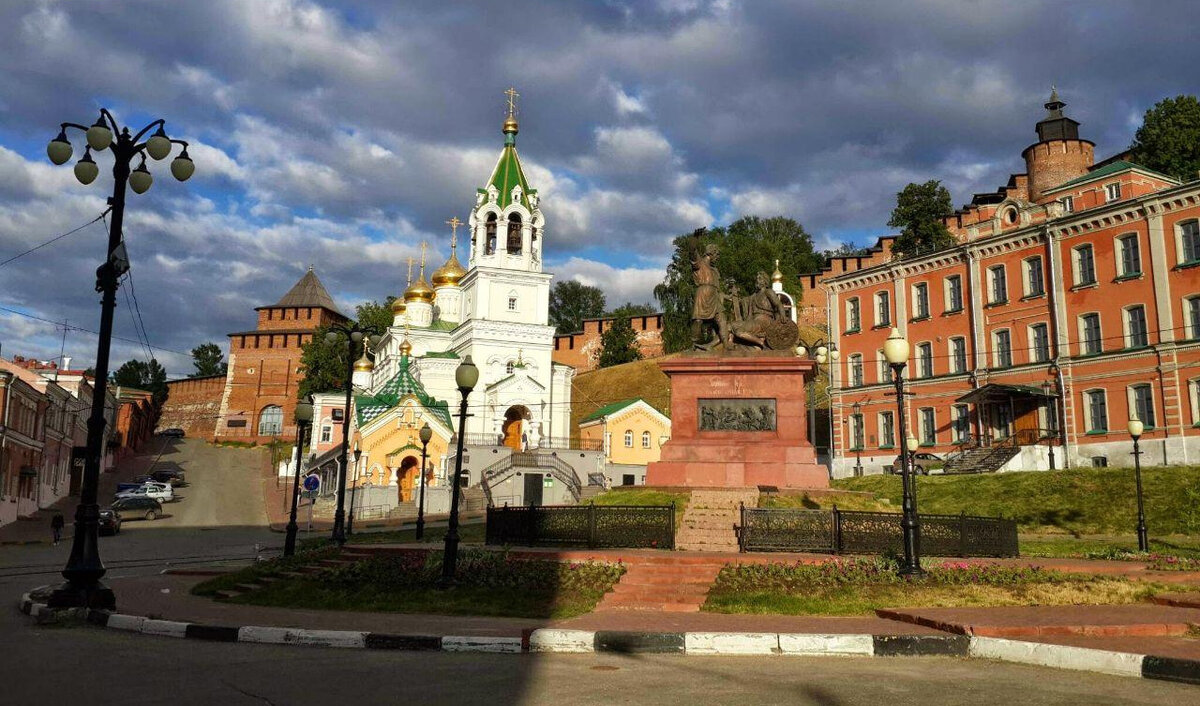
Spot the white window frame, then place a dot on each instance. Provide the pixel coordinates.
(947, 287)
(1191, 329)
(854, 370)
(646, 440)
(921, 370)
(1131, 401)
(882, 368)
(960, 433)
(853, 313)
(1089, 426)
(1081, 321)
(1068, 204)
(326, 433)
(923, 428)
(997, 273)
(887, 310)
(512, 302)
(1119, 254)
(916, 313)
(1037, 355)
(1077, 264)
(996, 362)
(888, 442)
(1180, 250)
(1027, 267)
(1127, 329)
(954, 361)
(1194, 396)
(629, 438)
(1112, 192)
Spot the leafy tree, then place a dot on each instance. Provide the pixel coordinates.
(846, 250)
(375, 315)
(619, 344)
(150, 376)
(629, 309)
(571, 302)
(918, 213)
(207, 359)
(747, 246)
(323, 364)
(1169, 139)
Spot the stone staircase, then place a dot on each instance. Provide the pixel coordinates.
(981, 459)
(588, 492)
(663, 584)
(711, 516)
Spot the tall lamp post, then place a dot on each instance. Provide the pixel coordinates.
(465, 376)
(304, 414)
(84, 568)
(1047, 390)
(354, 337)
(857, 432)
(425, 434)
(896, 350)
(1135, 430)
(354, 486)
(822, 353)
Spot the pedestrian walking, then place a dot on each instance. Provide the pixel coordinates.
(56, 526)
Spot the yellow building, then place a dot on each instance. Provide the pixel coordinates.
(632, 432)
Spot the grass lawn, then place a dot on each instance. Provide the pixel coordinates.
(845, 502)
(861, 586)
(635, 495)
(1104, 546)
(1083, 501)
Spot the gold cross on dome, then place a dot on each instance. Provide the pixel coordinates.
(454, 223)
(512, 100)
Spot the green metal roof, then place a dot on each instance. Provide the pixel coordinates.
(440, 325)
(507, 174)
(1119, 165)
(440, 354)
(610, 409)
(403, 384)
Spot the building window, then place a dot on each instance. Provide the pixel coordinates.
(1136, 335)
(337, 415)
(1089, 334)
(270, 421)
(998, 284)
(1003, 343)
(958, 354)
(1097, 411)
(1085, 266)
(887, 430)
(1039, 335)
(1068, 204)
(962, 424)
(1130, 262)
(1191, 312)
(1194, 393)
(514, 234)
(629, 438)
(925, 360)
(884, 371)
(1112, 192)
(856, 370)
(920, 301)
(883, 309)
(512, 303)
(1142, 404)
(1189, 235)
(928, 428)
(954, 294)
(326, 434)
(856, 432)
(645, 440)
(1035, 285)
(852, 317)
(510, 367)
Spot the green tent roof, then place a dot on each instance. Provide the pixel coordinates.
(507, 174)
(610, 409)
(403, 384)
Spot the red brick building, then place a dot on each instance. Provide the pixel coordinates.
(1071, 303)
(259, 398)
(582, 350)
(194, 405)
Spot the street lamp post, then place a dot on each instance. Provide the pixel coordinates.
(425, 434)
(1135, 430)
(822, 353)
(304, 414)
(84, 568)
(896, 350)
(354, 486)
(856, 431)
(354, 336)
(465, 376)
(1054, 422)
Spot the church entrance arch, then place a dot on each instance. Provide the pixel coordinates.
(406, 477)
(515, 427)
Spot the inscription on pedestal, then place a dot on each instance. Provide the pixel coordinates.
(737, 414)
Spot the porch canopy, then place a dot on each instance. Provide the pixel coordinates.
(996, 392)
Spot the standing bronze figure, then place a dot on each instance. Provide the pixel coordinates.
(708, 308)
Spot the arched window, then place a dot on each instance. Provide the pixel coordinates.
(645, 440)
(270, 421)
(629, 438)
(490, 246)
(514, 234)
(510, 367)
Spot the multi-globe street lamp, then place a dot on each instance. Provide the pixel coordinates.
(1135, 430)
(84, 568)
(304, 415)
(354, 335)
(465, 376)
(425, 435)
(822, 353)
(895, 350)
(354, 486)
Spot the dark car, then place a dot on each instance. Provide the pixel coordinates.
(173, 431)
(110, 522)
(922, 462)
(138, 507)
(174, 478)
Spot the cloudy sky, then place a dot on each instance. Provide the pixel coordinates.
(344, 133)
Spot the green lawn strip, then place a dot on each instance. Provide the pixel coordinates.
(1076, 501)
(861, 586)
(632, 495)
(1120, 547)
(271, 567)
(804, 501)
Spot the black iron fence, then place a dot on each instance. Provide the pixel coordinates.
(647, 526)
(852, 532)
(556, 444)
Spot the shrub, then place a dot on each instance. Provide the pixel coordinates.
(871, 572)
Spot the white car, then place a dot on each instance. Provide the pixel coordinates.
(159, 491)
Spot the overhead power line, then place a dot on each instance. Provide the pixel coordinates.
(56, 238)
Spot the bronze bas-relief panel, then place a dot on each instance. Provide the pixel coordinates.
(737, 414)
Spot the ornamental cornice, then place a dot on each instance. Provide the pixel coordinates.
(1016, 240)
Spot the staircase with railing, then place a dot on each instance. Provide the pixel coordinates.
(508, 466)
(989, 458)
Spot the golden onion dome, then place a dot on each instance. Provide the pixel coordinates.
(510, 125)
(363, 364)
(449, 274)
(399, 306)
(405, 347)
(418, 291)
(777, 276)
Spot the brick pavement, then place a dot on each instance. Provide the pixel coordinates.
(1138, 620)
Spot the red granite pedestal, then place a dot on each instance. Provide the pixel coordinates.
(723, 458)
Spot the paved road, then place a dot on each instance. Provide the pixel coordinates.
(224, 487)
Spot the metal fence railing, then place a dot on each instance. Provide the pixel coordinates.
(854, 532)
(648, 526)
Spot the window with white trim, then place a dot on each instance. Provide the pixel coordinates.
(1002, 349)
(1141, 403)
(1112, 192)
(1090, 342)
(961, 423)
(853, 320)
(958, 354)
(1096, 407)
(925, 360)
(887, 430)
(1039, 342)
(920, 301)
(883, 309)
(326, 434)
(1194, 394)
(882, 368)
(1034, 280)
(1068, 204)
(855, 364)
(1084, 258)
(857, 432)
(512, 303)
(997, 285)
(645, 440)
(954, 293)
(629, 438)
(928, 426)
(1191, 317)
(1189, 242)
(1136, 334)
(1129, 256)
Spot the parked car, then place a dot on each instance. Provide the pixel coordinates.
(125, 487)
(110, 522)
(140, 506)
(159, 491)
(922, 463)
(173, 431)
(171, 477)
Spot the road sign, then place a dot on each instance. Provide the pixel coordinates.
(312, 482)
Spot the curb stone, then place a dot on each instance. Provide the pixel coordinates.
(694, 643)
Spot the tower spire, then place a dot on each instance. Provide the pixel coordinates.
(510, 121)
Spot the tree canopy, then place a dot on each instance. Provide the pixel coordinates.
(1169, 139)
(747, 246)
(918, 213)
(149, 376)
(322, 364)
(207, 358)
(571, 302)
(629, 309)
(374, 315)
(619, 344)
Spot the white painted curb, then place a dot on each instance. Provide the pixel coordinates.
(165, 628)
(132, 623)
(548, 640)
(1060, 656)
(731, 643)
(836, 645)
(328, 638)
(481, 644)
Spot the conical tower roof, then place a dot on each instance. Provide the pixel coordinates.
(508, 172)
(307, 293)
